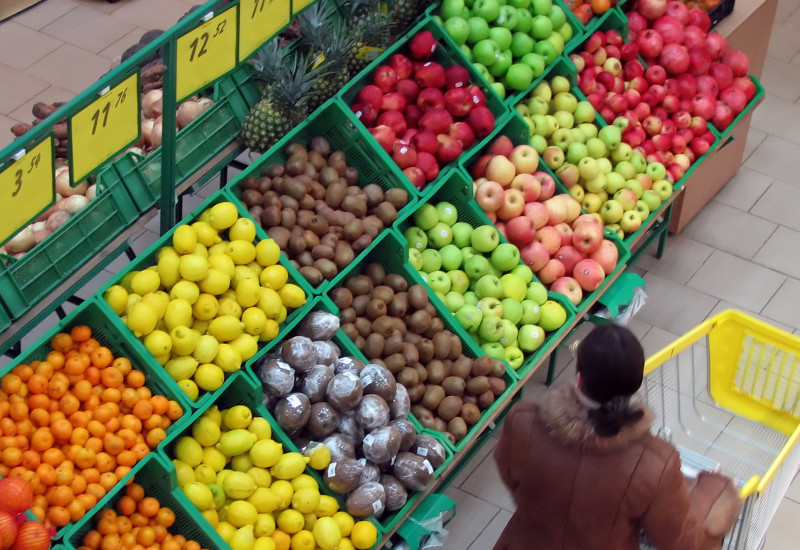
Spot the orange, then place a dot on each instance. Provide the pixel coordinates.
(135, 379)
(126, 505)
(129, 397)
(105, 462)
(61, 430)
(64, 475)
(141, 450)
(76, 510)
(112, 395)
(69, 404)
(42, 439)
(92, 539)
(79, 419)
(58, 386)
(92, 374)
(19, 412)
(111, 542)
(154, 437)
(79, 436)
(23, 371)
(39, 401)
(111, 377)
(76, 364)
(58, 515)
(144, 393)
(128, 437)
(161, 532)
(102, 357)
(37, 383)
(160, 404)
(78, 484)
(165, 517)
(143, 409)
(96, 428)
(62, 342)
(154, 421)
(56, 359)
(40, 417)
(80, 333)
(85, 458)
(96, 490)
(113, 444)
(11, 457)
(31, 460)
(25, 427)
(87, 500)
(122, 364)
(108, 480)
(138, 520)
(131, 422)
(148, 507)
(135, 491)
(91, 475)
(94, 443)
(102, 413)
(88, 346)
(38, 512)
(112, 425)
(127, 458)
(8, 426)
(281, 539)
(46, 474)
(59, 495)
(11, 383)
(124, 524)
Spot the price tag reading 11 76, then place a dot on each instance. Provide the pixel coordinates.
(104, 128)
(259, 20)
(27, 187)
(206, 53)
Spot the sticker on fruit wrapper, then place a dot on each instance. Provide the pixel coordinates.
(331, 469)
(377, 507)
(369, 439)
(369, 53)
(319, 60)
(384, 7)
(363, 461)
(428, 466)
(294, 401)
(422, 451)
(367, 380)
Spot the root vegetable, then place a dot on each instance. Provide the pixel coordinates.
(39, 236)
(63, 186)
(187, 112)
(153, 104)
(147, 130)
(155, 135)
(57, 219)
(21, 242)
(91, 192)
(74, 204)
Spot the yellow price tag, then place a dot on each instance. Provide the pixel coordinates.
(298, 5)
(206, 53)
(260, 20)
(27, 187)
(104, 128)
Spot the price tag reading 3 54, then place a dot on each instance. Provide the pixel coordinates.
(104, 128)
(206, 53)
(259, 20)
(27, 187)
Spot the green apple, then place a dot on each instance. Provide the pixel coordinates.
(490, 307)
(478, 30)
(561, 138)
(642, 209)
(546, 50)
(536, 292)
(452, 8)
(519, 76)
(219, 495)
(467, 51)
(535, 62)
(508, 17)
(459, 282)
(577, 135)
(415, 258)
(531, 125)
(524, 20)
(566, 33)
(439, 282)
(655, 170)
(604, 163)
(514, 286)
(489, 286)
(451, 257)
(487, 9)
(491, 329)
(521, 4)
(477, 266)
(485, 238)
(469, 317)
(585, 114)
(454, 301)
(631, 221)
(541, 27)
(416, 238)
(512, 310)
(461, 234)
(639, 162)
(523, 271)
(501, 36)
(484, 72)
(466, 253)
(530, 312)
(495, 350)
(576, 151)
(500, 67)
(588, 169)
(596, 148)
(635, 186)
(611, 136)
(522, 110)
(557, 16)
(505, 257)
(513, 356)
(622, 152)
(471, 298)
(499, 88)
(447, 213)
(521, 44)
(558, 40)
(626, 169)
(541, 7)
(440, 235)
(530, 337)
(553, 316)
(486, 52)
(431, 260)
(426, 216)
(509, 337)
(458, 29)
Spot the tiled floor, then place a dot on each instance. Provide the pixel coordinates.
(740, 251)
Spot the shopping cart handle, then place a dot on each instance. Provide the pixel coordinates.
(750, 487)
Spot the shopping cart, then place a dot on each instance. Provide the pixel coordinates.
(727, 395)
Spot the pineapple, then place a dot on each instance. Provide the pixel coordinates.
(335, 45)
(314, 23)
(372, 33)
(284, 105)
(403, 13)
(268, 63)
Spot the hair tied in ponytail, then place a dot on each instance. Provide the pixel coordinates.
(612, 415)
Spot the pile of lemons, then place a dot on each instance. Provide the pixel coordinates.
(209, 300)
(255, 495)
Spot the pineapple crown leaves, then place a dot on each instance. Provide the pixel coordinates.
(373, 29)
(356, 8)
(296, 81)
(337, 48)
(316, 22)
(269, 61)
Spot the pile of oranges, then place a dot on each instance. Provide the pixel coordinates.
(75, 423)
(585, 10)
(139, 522)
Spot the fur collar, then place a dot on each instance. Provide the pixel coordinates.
(566, 417)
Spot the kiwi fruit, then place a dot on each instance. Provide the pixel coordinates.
(482, 366)
(343, 475)
(322, 421)
(395, 362)
(335, 192)
(279, 234)
(441, 345)
(342, 297)
(449, 407)
(415, 393)
(251, 197)
(497, 386)
(360, 303)
(462, 367)
(351, 175)
(361, 243)
(434, 395)
(418, 298)
(274, 170)
(317, 160)
(453, 385)
(393, 344)
(374, 345)
(296, 165)
(485, 400)
(408, 377)
(396, 494)
(366, 500)
(382, 293)
(411, 354)
(424, 415)
(353, 229)
(499, 369)
(359, 285)
(363, 326)
(413, 471)
(457, 426)
(470, 413)
(381, 444)
(345, 391)
(315, 381)
(396, 282)
(399, 304)
(477, 385)
(425, 349)
(321, 145)
(386, 212)
(276, 376)
(343, 255)
(292, 412)
(376, 272)
(264, 184)
(375, 308)
(398, 197)
(321, 251)
(270, 216)
(428, 447)
(436, 327)
(436, 371)
(400, 404)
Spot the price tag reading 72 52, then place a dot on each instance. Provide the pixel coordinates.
(27, 187)
(206, 53)
(260, 20)
(105, 127)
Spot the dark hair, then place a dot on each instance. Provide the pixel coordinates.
(611, 364)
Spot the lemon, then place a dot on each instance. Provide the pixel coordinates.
(281, 315)
(178, 313)
(200, 250)
(159, 300)
(264, 543)
(242, 463)
(219, 248)
(117, 297)
(181, 368)
(162, 359)
(222, 474)
(200, 326)
(235, 442)
(193, 267)
(222, 215)
(243, 229)
(327, 507)
(247, 292)
(255, 268)
(364, 535)
(266, 453)
(269, 302)
(274, 277)
(215, 458)
(318, 454)
(228, 358)
(241, 513)
(290, 521)
(211, 516)
(158, 342)
(345, 522)
(205, 474)
(199, 495)
(292, 295)
(206, 306)
(167, 265)
(183, 472)
(187, 290)
(303, 481)
(241, 252)
(271, 330)
(267, 252)
(209, 377)
(246, 345)
(305, 500)
(310, 520)
(260, 426)
(303, 540)
(214, 414)
(225, 328)
(265, 500)
(223, 262)
(133, 299)
(289, 466)
(145, 281)
(206, 349)
(237, 417)
(260, 476)
(188, 450)
(345, 545)
(184, 339)
(240, 273)
(327, 533)
(216, 282)
(206, 432)
(242, 539)
(264, 525)
(142, 319)
(238, 485)
(189, 388)
(184, 239)
(205, 233)
(230, 294)
(284, 491)
(225, 530)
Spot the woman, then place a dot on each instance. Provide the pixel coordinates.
(586, 473)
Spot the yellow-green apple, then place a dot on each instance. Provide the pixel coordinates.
(477, 266)
(440, 235)
(509, 337)
(484, 238)
(595, 148)
(513, 204)
(447, 212)
(652, 199)
(490, 196)
(569, 287)
(431, 260)
(589, 274)
(611, 211)
(614, 182)
(636, 186)
(551, 271)
(470, 297)
(586, 237)
(415, 258)
(512, 354)
(663, 188)
(565, 230)
(520, 230)
(607, 256)
(536, 292)
(501, 170)
(548, 185)
(512, 310)
(642, 209)
(523, 271)
(505, 257)
(577, 192)
(530, 312)
(490, 306)
(439, 282)
(454, 301)
(592, 202)
(627, 198)
(616, 229)
(569, 256)
(525, 159)
(553, 157)
(537, 212)
(461, 234)
(514, 287)
(549, 237)
(553, 316)
(530, 186)
(535, 255)
(530, 337)
(459, 282)
(588, 168)
(469, 317)
(556, 209)
(596, 185)
(631, 221)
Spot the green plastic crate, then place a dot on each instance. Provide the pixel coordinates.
(148, 258)
(616, 12)
(332, 121)
(234, 95)
(93, 314)
(25, 281)
(5, 320)
(157, 478)
(446, 54)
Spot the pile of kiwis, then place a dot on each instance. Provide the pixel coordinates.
(316, 210)
(396, 325)
(357, 410)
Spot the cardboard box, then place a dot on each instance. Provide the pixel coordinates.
(13, 7)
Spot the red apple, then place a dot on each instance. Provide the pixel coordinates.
(449, 149)
(427, 163)
(412, 114)
(430, 75)
(462, 132)
(551, 271)
(456, 76)
(568, 287)
(535, 255)
(606, 255)
(394, 120)
(520, 231)
(569, 256)
(422, 45)
(429, 99)
(458, 101)
(402, 66)
(425, 141)
(384, 136)
(502, 145)
(548, 185)
(385, 79)
(478, 168)
(415, 176)
(589, 274)
(565, 230)
(481, 120)
(372, 95)
(478, 97)
(393, 101)
(404, 155)
(437, 121)
(409, 89)
(586, 237)
(490, 196)
(366, 113)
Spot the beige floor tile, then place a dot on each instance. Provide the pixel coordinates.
(485, 484)
(784, 10)
(782, 532)
(153, 14)
(20, 46)
(744, 188)
(114, 51)
(738, 281)
(776, 204)
(771, 158)
(793, 492)
(781, 78)
(103, 6)
(776, 252)
(770, 117)
(682, 257)
(754, 139)
(88, 29)
(657, 339)
(783, 306)
(70, 67)
(673, 306)
(784, 43)
(16, 87)
(50, 95)
(492, 532)
(726, 228)
(44, 13)
(472, 517)
(486, 450)
(6, 137)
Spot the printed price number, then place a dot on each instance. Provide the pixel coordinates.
(206, 53)
(104, 128)
(27, 187)
(260, 20)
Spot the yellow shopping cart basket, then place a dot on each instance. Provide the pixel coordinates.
(727, 395)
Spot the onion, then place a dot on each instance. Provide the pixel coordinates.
(38, 226)
(21, 242)
(91, 192)
(57, 219)
(152, 103)
(155, 135)
(74, 204)
(187, 112)
(39, 236)
(138, 151)
(63, 186)
(147, 130)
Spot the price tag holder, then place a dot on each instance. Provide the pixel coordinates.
(206, 53)
(260, 20)
(298, 5)
(104, 128)
(27, 188)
